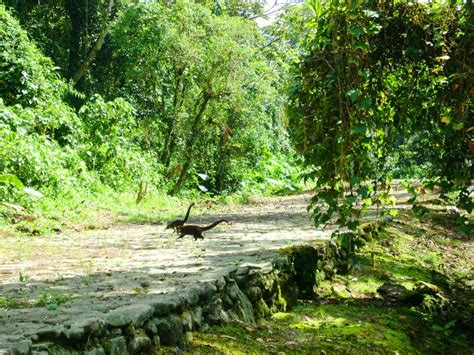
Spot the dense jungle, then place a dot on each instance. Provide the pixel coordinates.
(342, 126)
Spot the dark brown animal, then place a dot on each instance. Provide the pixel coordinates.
(195, 230)
(179, 222)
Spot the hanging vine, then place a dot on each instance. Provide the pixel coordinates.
(372, 73)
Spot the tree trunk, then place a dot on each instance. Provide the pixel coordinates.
(171, 133)
(90, 56)
(95, 48)
(193, 136)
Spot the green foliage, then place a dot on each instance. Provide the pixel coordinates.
(51, 300)
(11, 179)
(354, 98)
(45, 144)
(190, 94)
(37, 127)
(274, 174)
(202, 94)
(31, 86)
(110, 146)
(27, 76)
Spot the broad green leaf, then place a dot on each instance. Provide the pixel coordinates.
(12, 179)
(365, 103)
(360, 129)
(356, 30)
(446, 119)
(351, 199)
(393, 213)
(354, 94)
(458, 126)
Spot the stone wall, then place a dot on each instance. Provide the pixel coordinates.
(245, 294)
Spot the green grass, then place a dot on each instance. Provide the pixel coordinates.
(78, 210)
(49, 300)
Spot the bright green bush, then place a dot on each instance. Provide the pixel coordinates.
(45, 143)
(29, 83)
(111, 147)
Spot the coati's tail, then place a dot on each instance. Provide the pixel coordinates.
(206, 228)
(187, 213)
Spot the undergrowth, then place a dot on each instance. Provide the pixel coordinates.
(98, 210)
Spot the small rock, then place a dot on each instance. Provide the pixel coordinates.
(187, 320)
(244, 270)
(96, 351)
(140, 345)
(197, 317)
(150, 328)
(115, 346)
(254, 293)
(206, 290)
(135, 314)
(91, 326)
(392, 291)
(166, 305)
(145, 284)
(50, 332)
(170, 329)
(220, 283)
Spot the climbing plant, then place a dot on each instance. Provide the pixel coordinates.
(372, 74)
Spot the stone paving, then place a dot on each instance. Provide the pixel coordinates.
(98, 271)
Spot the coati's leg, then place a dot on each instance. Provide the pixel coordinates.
(198, 236)
(181, 236)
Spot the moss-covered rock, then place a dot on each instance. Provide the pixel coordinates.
(170, 329)
(262, 310)
(115, 346)
(240, 307)
(140, 345)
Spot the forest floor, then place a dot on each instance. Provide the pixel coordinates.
(44, 280)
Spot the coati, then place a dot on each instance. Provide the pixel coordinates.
(195, 230)
(179, 222)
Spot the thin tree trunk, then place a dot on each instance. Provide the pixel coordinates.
(170, 140)
(193, 136)
(95, 48)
